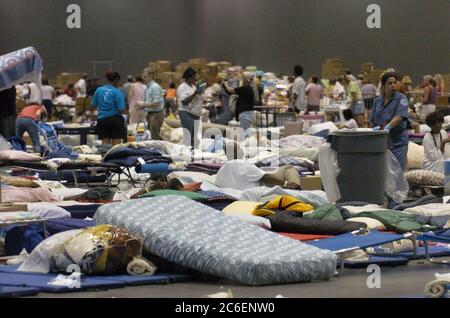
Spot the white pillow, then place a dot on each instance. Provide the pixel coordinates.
(68, 193)
(253, 219)
(48, 211)
(241, 208)
(415, 156)
(372, 224)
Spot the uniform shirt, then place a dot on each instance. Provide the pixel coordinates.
(239, 174)
(382, 115)
(298, 88)
(154, 94)
(434, 158)
(195, 106)
(109, 100)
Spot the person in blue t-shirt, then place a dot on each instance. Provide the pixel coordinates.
(390, 112)
(110, 102)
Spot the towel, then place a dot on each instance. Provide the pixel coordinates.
(438, 287)
(140, 266)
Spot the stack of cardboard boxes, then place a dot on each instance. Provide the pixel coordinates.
(333, 68)
(64, 79)
(206, 70)
(446, 78)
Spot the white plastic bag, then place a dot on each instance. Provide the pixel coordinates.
(395, 186)
(329, 171)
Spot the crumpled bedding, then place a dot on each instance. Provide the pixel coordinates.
(300, 152)
(432, 209)
(15, 194)
(263, 194)
(301, 141)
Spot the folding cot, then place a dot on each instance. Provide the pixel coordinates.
(442, 236)
(360, 239)
(73, 167)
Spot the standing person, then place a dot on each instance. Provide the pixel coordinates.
(190, 105)
(95, 83)
(126, 87)
(314, 93)
(8, 112)
(298, 90)
(170, 100)
(245, 103)
(110, 102)
(350, 76)
(440, 85)
(390, 112)
(429, 96)
(80, 87)
(355, 100)
(71, 91)
(153, 103)
(26, 123)
(135, 95)
(48, 93)
(338, 89)
(35, 96)
(436, 144)
(368, 92)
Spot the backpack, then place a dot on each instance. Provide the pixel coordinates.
(48, 139)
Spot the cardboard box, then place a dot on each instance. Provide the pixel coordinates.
(198, 60)
(152, 66)
(293, 128)
(311, 183)
(163, 66)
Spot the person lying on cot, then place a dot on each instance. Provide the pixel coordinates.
(241, 175)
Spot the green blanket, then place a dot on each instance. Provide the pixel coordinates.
(191, 195)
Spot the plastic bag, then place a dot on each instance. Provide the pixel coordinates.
(395, 186)
(329, 171)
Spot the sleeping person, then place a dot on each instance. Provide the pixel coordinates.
(242, 175)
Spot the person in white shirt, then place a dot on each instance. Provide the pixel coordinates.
(350, 122)
(80, 87)
(35, 94)
(436, 144)
(48, 93)
(190, 106)
(338, 89)
(298, 90)
(239, 174)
